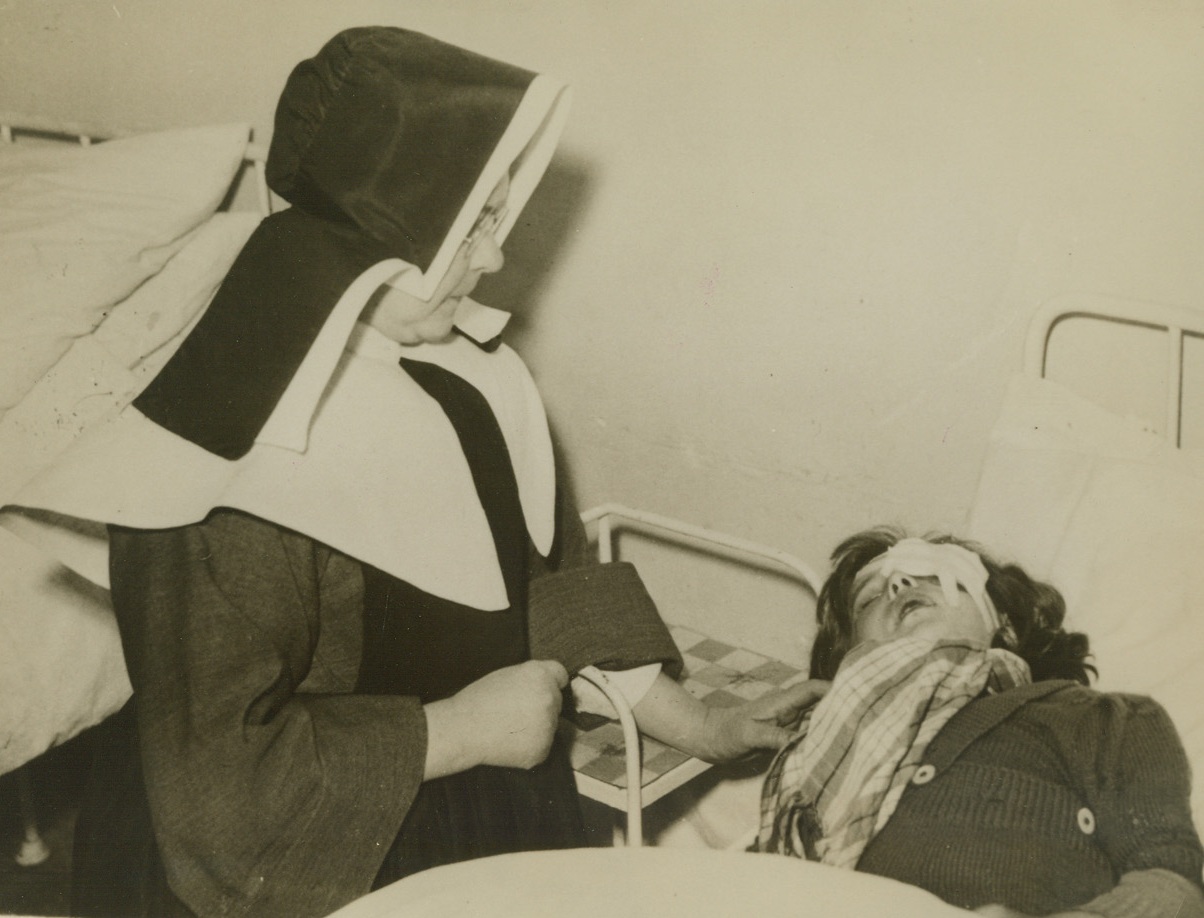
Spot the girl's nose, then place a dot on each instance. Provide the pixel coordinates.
(898, 583)
(486, 255)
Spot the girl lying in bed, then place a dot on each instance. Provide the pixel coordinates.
(960, 750)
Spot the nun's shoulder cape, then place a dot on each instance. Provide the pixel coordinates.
(279, 403)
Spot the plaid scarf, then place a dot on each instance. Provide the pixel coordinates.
(833, 786)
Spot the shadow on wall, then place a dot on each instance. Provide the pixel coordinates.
(533, 248)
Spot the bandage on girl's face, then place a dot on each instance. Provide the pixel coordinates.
(922, 589)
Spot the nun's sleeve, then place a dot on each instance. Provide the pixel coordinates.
(264, 800)
(583, 612)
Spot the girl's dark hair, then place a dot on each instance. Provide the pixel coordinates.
(1033, 609)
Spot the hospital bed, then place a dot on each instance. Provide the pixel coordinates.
(1107, 505)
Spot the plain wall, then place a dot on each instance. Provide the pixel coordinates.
(781, 268)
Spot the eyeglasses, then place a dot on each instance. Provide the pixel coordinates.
(487, 225)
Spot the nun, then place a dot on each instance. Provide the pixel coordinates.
(350, 590)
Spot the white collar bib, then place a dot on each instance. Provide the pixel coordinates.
(381, 475)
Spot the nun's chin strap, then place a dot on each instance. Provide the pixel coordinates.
(481, 324)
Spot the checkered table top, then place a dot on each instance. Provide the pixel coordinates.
(720, 674)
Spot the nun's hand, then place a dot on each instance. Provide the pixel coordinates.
(507, 718)
(672, 715)
(761, 724)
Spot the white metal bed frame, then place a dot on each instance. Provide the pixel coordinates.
(12, 125)
(608, 522)
(1176, 321)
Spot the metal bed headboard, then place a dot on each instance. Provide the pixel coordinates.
(1176, 321)
(255, 157)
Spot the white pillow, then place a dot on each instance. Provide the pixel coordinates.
(1043, 450)
(81, 227)
(1113, 516)
(61, 665)
(145, 328)
(102, 372)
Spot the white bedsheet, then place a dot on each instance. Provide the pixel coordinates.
(61, 666)
(651, 882)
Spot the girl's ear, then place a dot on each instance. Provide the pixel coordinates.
(1005, 637)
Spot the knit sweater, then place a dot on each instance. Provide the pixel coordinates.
(1042, 798)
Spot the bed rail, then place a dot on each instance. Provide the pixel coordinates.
(85, 134)
(606, 523)
(613, 518)
(1176, 321)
